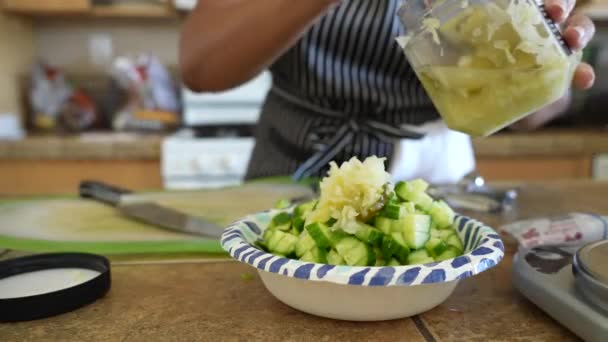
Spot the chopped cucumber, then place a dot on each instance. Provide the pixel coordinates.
(260, 244)
(280, 220)
(316, 255)
(393, 245)
(450, 253)
(284, 227)
(392, 211)
(435, 246)
(419, 257)
(304, 209)
(333, 258)
(414, 192)
(305, 243)
(454, 241)
(369, 234)
(282, 204)
(282, 243)
(393, 262)
(442, 214)
(402, 250)
(321, 234)
(384, 224)
(409, 207)
(355, 252)
(415, 229)
(298, 223)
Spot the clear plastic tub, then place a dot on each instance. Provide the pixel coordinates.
(486, 63)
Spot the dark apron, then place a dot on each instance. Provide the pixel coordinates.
(298, 139)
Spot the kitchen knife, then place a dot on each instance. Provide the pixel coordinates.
(148, 212)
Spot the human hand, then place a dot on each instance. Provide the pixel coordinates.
(578, 32)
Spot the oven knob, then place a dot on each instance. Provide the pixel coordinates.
(228, 164)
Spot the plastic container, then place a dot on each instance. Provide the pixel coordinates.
(486, 63)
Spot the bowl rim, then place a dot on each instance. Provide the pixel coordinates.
(488, 252)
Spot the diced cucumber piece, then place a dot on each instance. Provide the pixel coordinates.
(355, 252)
(393, 262)
(284, 227)
(266, 236)
(419, 257)
(393, 245)
(435, 246)
(369, 234)
(294, 231)
(414, 192)
(392, 211)
(333, 258)
(403, 250)
(282, 243)
(282, 204)
(304, 209)
(280, 219)
(321, 234)
(454, 241)
(415, 228)
(384, 224)
(442, 214)
(260, 244)
(379, 259)
(408, 207)
(298, 223)
(305, 243)
(316, 255)
(450, 253)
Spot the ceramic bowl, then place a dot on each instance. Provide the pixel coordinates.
(362, 293)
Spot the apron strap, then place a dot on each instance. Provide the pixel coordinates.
(343, 134)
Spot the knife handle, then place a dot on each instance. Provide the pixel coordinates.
(108, 194)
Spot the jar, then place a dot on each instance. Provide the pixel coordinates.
(486, 63)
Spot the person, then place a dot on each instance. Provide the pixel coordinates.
(341, 86)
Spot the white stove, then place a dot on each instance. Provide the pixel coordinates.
(189, 162)
(215, 148)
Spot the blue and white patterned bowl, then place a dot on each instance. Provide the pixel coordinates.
(362, 293)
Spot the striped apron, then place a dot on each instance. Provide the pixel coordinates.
(344, 89)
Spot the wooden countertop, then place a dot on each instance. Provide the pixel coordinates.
(103, 146)
(127, 146)
(212, 302)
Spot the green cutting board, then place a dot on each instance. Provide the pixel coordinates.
(77, 225)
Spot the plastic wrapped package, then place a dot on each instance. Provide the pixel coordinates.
(143, 95)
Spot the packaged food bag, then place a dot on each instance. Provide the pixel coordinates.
(572, 229)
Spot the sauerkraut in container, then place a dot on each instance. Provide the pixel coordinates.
(486, 63)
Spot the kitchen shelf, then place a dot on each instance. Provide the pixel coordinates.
(133, 11)
(85, 8)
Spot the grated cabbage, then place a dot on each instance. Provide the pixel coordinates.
(354, 191)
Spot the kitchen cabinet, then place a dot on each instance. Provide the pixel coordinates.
(48, 7)
(54, 165)
(86, 8)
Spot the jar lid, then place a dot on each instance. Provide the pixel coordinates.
(45, 285)
(593, 259)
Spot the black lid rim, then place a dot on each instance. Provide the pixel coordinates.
(58, 302)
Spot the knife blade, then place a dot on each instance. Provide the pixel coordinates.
(149, 212)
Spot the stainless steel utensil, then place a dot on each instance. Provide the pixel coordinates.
(148, 212)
